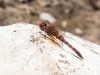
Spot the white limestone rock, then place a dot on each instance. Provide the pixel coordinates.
(24, 50)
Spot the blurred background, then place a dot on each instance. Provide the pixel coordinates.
(79, 17)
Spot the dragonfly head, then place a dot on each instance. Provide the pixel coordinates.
(42, 26)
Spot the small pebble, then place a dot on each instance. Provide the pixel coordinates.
(47, 16)
(78, 31)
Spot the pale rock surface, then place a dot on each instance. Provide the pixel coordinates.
(26, 50)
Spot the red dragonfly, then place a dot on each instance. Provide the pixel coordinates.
(52, 31)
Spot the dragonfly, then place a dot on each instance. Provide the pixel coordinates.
(51, 30)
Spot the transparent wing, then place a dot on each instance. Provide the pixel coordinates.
(56, 41)
(48, 23)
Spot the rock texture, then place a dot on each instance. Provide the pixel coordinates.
(26, 50)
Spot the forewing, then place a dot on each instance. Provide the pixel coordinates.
(48, 23)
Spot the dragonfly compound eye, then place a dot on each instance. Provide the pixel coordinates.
(45, 24)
